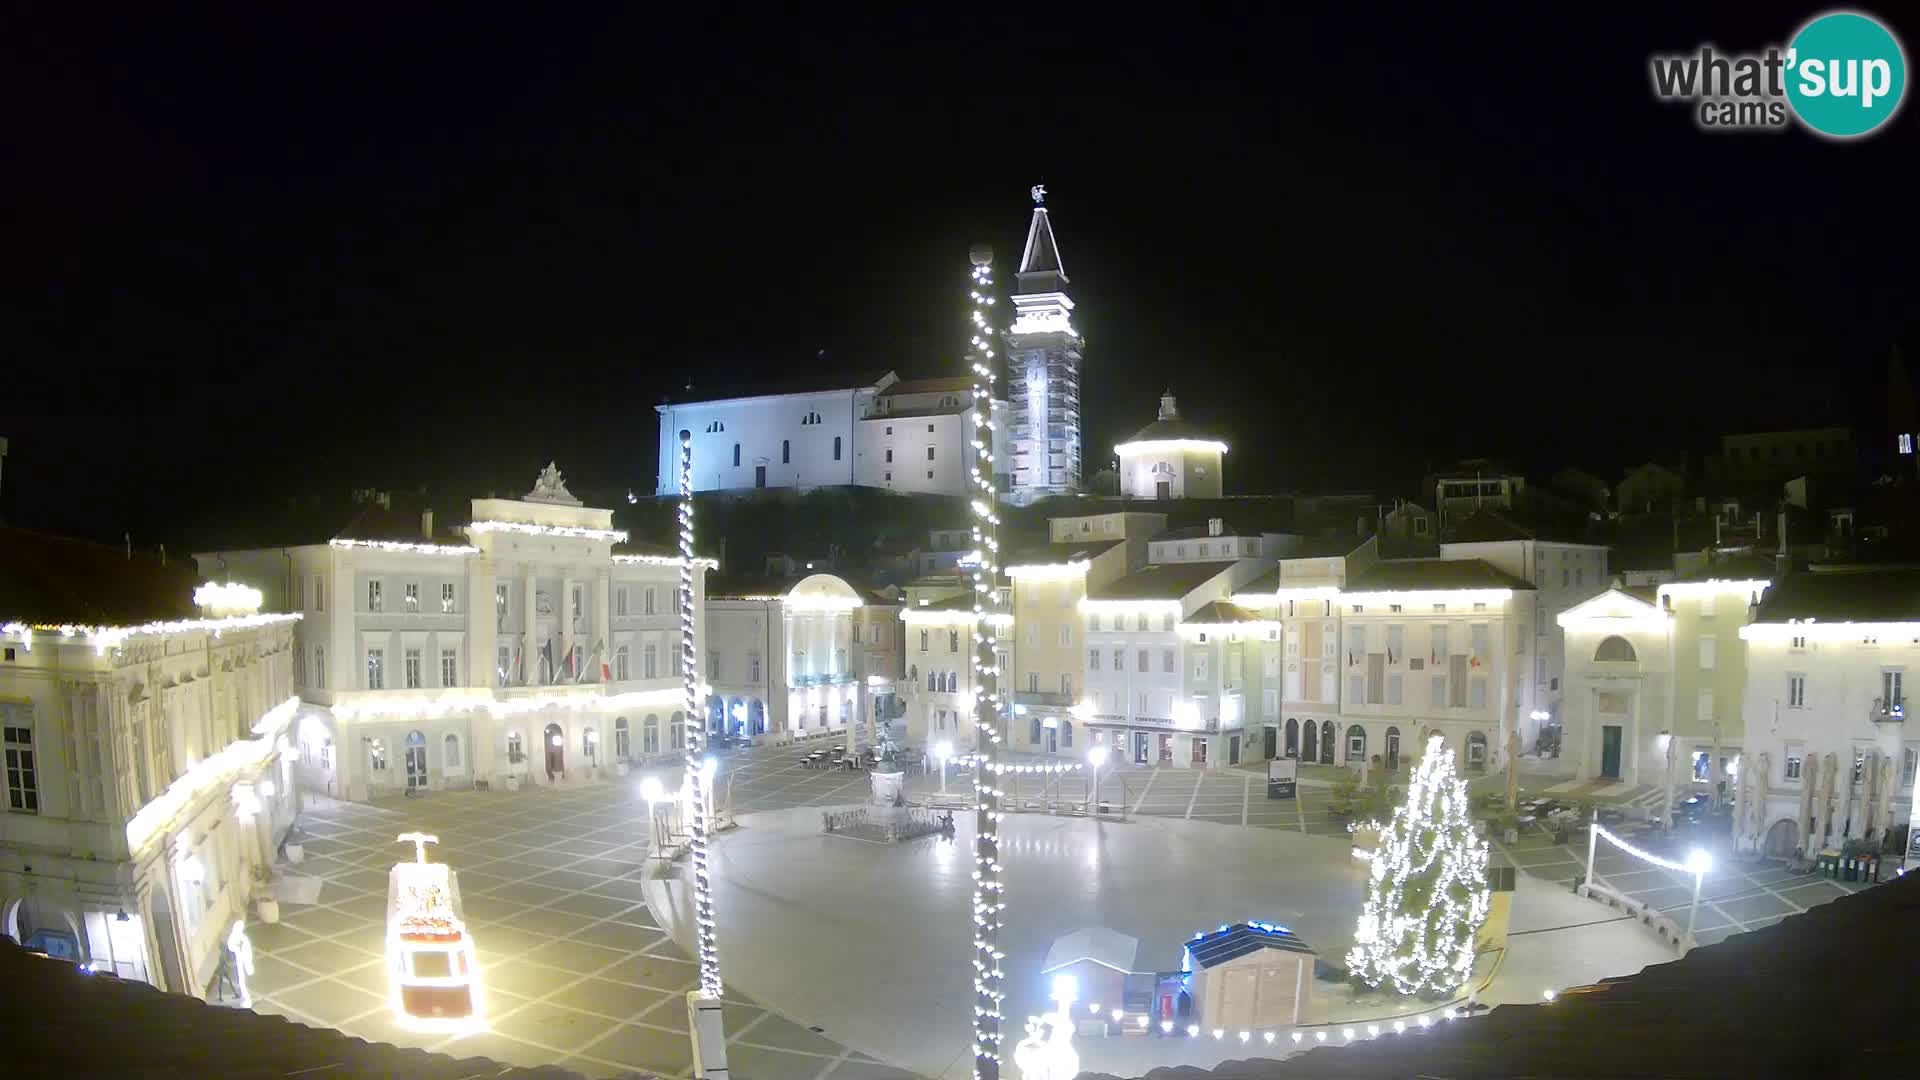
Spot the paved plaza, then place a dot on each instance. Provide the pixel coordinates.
(823, 956)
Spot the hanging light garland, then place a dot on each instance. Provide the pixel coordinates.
(698, 778)
(989, 899)
(1427, 891)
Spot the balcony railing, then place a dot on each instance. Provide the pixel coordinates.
(1050, 698)
(835, 679)
(1888, 711)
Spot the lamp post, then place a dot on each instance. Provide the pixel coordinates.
(943, 750)
(703, 1004)
(1096, 757)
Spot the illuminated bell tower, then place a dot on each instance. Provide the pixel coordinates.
(1043, 370)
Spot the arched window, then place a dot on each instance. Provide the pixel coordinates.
(1393, 749)
(786, 452)
(736, 455)
(679, 731)
(1162, 468)
(621, 746)
(933, 680)
(1293, 737)
(1066, 733)
(650, 735)
(516, 751)
(1035, 740)
(836, 448)
(452, 752)
(1356, 744)
(1614, 648)
(1327, 748)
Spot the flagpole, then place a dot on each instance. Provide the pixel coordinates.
(989, 899)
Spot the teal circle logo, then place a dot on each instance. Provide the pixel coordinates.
(1846, 74)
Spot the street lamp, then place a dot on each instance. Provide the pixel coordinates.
(943, 750)
(1096, 757)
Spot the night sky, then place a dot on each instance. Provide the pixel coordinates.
(256, 255)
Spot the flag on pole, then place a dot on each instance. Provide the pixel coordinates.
(606, 671)
(592, 662)
(546, 661)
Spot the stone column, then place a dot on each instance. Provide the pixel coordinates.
(482, 627)
(567, 615)
(348, 754)
(603, 622)
(530, 649)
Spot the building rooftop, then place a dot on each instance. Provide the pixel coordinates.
(957, 384)
(1171, 428)
(1744, 567)
(1221, 611)
(1844, 595)
(1232, 942)
(1265, 583)
(1434, 574)
(52, 580)
(1201, 532)
(1716, 1012)
(798, 384)
(1161, 581)
(1058, 553)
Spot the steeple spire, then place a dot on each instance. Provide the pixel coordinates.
(1040, 268)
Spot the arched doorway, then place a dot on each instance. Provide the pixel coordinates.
(1309, 741)
(1783, 839)
(38, 925)
(1327, 748)
(716, 716)
(650, 735)
(756, 717)
(1293, 737)
(1477, 752)
(416, 760)
(555, 742)
(736, 717)
(1393, 749)
(1356, 744)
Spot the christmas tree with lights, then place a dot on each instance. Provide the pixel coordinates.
(1427, 894)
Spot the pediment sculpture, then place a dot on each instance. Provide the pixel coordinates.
(551, 488)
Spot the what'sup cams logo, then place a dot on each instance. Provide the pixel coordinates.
(1842, 76)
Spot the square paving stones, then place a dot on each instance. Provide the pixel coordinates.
(564, 1029)
(649, 1049)
(324, 922)
(329, 1001)
(618, 1000)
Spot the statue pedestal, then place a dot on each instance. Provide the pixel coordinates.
(888, 787)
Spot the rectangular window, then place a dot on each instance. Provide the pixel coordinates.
(319, 593)
(1393, 689)
(500, 603)
(374, 599)
(736, 455)
(1093, 622)
(620, 601)
(649, 601)
(1540, 671)
(713, 665)
(449, 668)
(1066, 685)
(923, 639)
(1457, 682)
(23, 773)
(836, 448)
(786, 452)
(1199, 666)
(1909, 758)
(1795, 755)
(1033, 686)
(1233, 664)
(1166, 661)
(579, 609)
(1438, 649)
(502, 664)
(650, 661)
(1396, 644)
(1706, 653)
(576, 658)
(1066, 635)
(623, 663)
(1705, 714)
(1890, 686)
(446, 598)
(411, 659)
(411, 596)
(1796, 691)
(1093, 659)
(1270, 702)
(856, 633)
(1356, 689)
(1439, 692)
(1356, 643)
(1166, 623)
(376, 669)
(319, 667)
(753, 667)
(1477, 694)
(1480, 635)
(1142, 662)
(299, 592)
(953, 640)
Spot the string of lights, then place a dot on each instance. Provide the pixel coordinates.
(989, 898)
(1427, 889)
(698, 777)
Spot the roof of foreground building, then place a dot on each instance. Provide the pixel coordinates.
(1852, 595)
(1396, 574)
(52, 580)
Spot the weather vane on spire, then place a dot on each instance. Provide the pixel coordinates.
(1039, 193)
